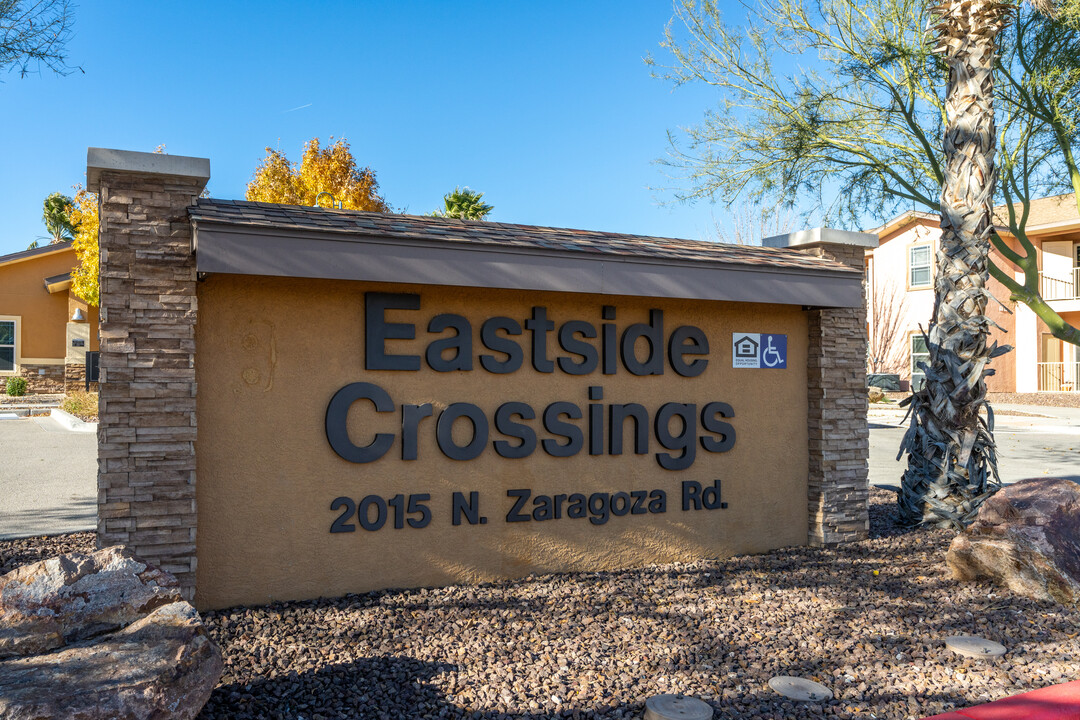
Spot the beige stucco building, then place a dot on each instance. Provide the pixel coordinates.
(46, 330)
(899, 276)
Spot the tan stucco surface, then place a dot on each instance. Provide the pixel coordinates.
(272, 352)
(43, 316)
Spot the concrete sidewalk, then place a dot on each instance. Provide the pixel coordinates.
(48, 478)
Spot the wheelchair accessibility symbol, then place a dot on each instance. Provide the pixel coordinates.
(759, 351)
(770, 355)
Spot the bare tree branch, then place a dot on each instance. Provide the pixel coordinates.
(887, 350)
(34, 33)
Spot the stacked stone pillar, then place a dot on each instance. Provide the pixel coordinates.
(146, 453)
(838, 492)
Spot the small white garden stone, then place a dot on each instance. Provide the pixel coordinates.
(676, 707)
(800, 689)
(974, 647)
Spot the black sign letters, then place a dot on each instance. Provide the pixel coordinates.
(516, 430)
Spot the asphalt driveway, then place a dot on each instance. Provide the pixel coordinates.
(1040, 442)
(48, 478)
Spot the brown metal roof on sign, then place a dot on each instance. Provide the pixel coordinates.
(244, 238)
(448, 230)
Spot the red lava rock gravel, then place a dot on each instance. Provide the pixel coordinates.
(597, 645)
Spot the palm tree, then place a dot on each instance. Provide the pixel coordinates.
(952, 462)
(57, 218)
(464, 204)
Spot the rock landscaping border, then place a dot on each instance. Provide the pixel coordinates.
(867, 619)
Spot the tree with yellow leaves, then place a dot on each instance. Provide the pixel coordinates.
(84, 216)
(331, 169)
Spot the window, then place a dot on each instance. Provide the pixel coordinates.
(7, 345)
(919, 354)
(919, 266)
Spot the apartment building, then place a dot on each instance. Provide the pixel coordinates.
(900, 288)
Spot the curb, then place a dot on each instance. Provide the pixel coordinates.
(72, 423)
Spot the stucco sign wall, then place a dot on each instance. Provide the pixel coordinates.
(413, 436)
(301, 402)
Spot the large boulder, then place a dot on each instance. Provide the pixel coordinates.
(1027, 537)
(75, 596)
(102, 635)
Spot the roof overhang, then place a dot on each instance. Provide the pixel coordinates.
(35, 253)
(58, 283)
(1052, 228)
(903, 220)
(245, 250)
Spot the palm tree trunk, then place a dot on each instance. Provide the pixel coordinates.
(952, 463)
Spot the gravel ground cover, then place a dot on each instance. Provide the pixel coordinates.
(867, 619)
(1060, 399)
(24, 551)
(44, 399)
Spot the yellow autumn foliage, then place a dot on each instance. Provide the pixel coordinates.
(84, 276)
(331, 169)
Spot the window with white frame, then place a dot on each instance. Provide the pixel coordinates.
(7, 345)
(919, 354)
(919, 266)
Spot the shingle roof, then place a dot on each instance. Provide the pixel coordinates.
(1042, 210)
(42, 250)
(448, 230)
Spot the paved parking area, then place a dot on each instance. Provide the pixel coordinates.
(48, 478)
(1044, 442)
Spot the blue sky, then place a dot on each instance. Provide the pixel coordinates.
(547, 108)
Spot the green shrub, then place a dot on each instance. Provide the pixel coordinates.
(16, 386)
(81, 404)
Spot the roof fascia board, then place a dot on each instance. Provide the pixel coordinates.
(1059, 226)
(905, 218)
(225, 248)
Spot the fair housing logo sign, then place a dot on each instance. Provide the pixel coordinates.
(758, 350)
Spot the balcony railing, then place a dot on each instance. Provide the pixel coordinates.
(1059, 377)
(1061, 286)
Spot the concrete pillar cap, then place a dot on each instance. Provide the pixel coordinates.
(821, 236)
(143, 163)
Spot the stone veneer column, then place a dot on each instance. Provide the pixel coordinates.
(839, 436)
(146, 452)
